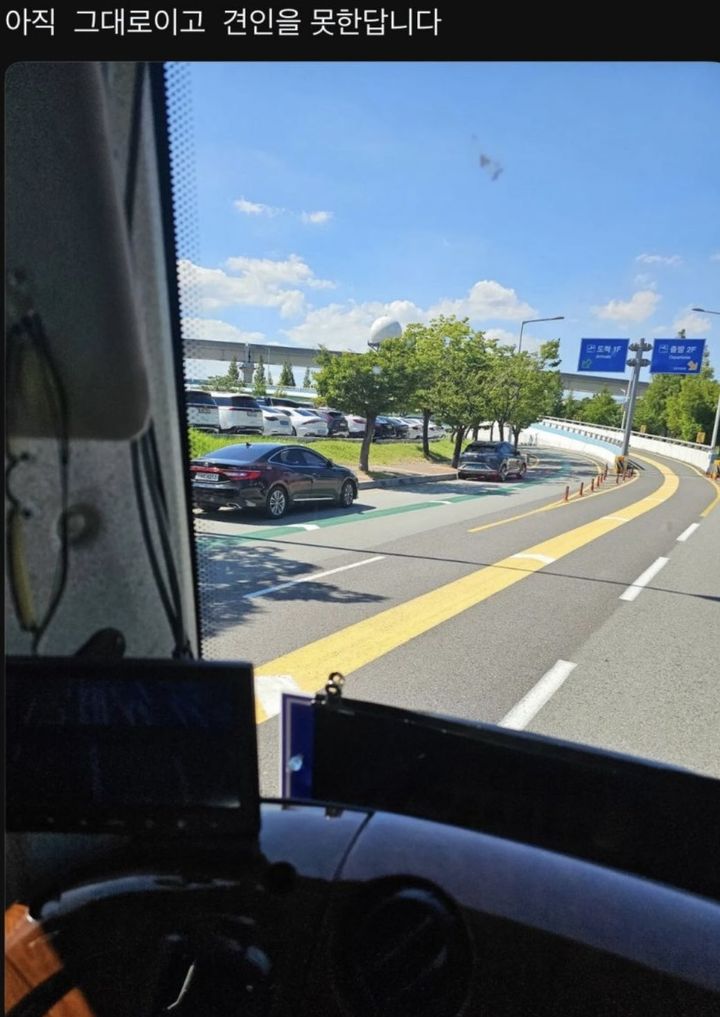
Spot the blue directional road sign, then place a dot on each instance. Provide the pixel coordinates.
(677, 356)
(603, 355)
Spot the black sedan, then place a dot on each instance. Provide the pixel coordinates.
(268, 476)
(482, 459)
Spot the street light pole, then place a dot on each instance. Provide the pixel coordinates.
(714, 438)
(528, 321)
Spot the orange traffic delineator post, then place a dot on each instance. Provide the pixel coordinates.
(592, 484)
(581, 488)
(567, 493)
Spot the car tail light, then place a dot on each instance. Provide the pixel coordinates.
(242, 474)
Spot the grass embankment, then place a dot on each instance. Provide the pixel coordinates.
(345, 452)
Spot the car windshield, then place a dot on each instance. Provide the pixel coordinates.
(542, 560)
(200, 399)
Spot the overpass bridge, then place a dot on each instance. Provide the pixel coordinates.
(248, 354)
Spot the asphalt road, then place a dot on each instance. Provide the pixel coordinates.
(486, 601)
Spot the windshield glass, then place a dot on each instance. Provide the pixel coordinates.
(490, 245)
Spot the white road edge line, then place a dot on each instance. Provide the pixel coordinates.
(689, 531)
(641, 581)
(305, 526)
(524, 711)
(311, 576)
(270, 687)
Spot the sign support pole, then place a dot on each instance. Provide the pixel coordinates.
(637, 362)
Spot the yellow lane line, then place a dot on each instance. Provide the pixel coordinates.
(555, 505)
(713, 504)
(359, 644)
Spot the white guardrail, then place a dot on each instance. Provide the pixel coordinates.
(554, 429)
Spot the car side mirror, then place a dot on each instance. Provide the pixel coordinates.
(330, 462)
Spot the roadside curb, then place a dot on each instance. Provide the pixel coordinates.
(418, 478)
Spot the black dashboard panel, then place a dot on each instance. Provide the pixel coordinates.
(347, 913)
(656, 821)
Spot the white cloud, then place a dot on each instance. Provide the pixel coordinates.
(486, 299)
(213, 328)
(644, 280)
(258, 282)
(695, 325)
(347, 326)
(507, 338)
(659, 259)
(639, 307)
(316, 217)
(255, 207)
(715, 257)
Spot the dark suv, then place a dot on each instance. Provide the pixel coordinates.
(335, 420)
(482, 459)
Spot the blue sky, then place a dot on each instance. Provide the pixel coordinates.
(331, 193)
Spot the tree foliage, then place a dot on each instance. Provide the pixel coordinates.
(259, 387)
(287, 379)
(367, 384)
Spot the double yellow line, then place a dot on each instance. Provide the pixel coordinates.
(353, 647)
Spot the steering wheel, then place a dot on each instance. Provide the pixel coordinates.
(137, 946)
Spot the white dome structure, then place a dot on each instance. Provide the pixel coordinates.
(382, 328)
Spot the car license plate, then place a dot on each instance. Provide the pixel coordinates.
(206, 476)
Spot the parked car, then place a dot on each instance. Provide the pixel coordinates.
(268, 476)
(202, 411)
(414, 427)
(304, 423)
(401, 427)
(356, 425)
(482, 459)
(335, 420)
(415, 424)
(275, 423)
(239, 414)
(384, 428)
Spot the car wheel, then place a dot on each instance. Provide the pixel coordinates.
(502, 473)
(461, 476)
(347, 494)
(277, 502)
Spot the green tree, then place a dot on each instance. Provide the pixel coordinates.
(536, 386)
(217, 383)
(259, 387)
(287, 379)
(602, 409)
(233, 374)
(367, 383)
(691, 407)
(651, 408)
(429, 345)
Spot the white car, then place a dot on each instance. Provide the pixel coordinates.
(304, 423)
(356, 425)
(415, 424)
(275, 422)
(239, 414)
